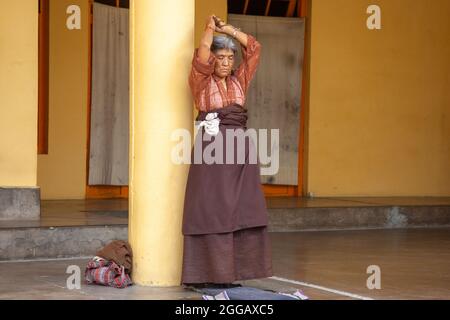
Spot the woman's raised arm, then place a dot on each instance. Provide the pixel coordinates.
(204, 50)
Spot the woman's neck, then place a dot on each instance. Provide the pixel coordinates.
(224, 82)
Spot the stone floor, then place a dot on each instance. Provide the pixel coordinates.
(414, 264)
(56, 213)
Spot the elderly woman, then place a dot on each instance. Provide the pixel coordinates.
(225, 215)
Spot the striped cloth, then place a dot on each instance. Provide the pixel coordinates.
(107, 273)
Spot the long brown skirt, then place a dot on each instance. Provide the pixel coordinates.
(227, 257)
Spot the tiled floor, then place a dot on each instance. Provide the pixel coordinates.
(414, 264)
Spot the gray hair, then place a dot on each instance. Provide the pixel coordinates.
(223, 42)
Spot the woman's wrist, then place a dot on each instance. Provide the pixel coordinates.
(231, 31)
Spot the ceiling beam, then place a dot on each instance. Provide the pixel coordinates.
(302, 8)
(291, 8)
(245, 7)
(268, 7)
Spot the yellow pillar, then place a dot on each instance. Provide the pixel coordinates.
(18, 93)
(162, 42)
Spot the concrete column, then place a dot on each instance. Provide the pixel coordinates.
(162, 42)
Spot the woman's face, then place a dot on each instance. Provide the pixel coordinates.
(224, 62)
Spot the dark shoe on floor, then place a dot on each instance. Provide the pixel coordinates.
(200, 286)
(196, 285)
(224, 285)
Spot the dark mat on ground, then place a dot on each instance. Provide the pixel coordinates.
(243, 293)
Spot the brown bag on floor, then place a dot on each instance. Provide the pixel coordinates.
(118, 251)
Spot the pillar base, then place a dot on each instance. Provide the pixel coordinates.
(20, 203)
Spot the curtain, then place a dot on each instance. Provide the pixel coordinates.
(108, 159)
(273, 100)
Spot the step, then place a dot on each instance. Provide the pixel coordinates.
(71, 237)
